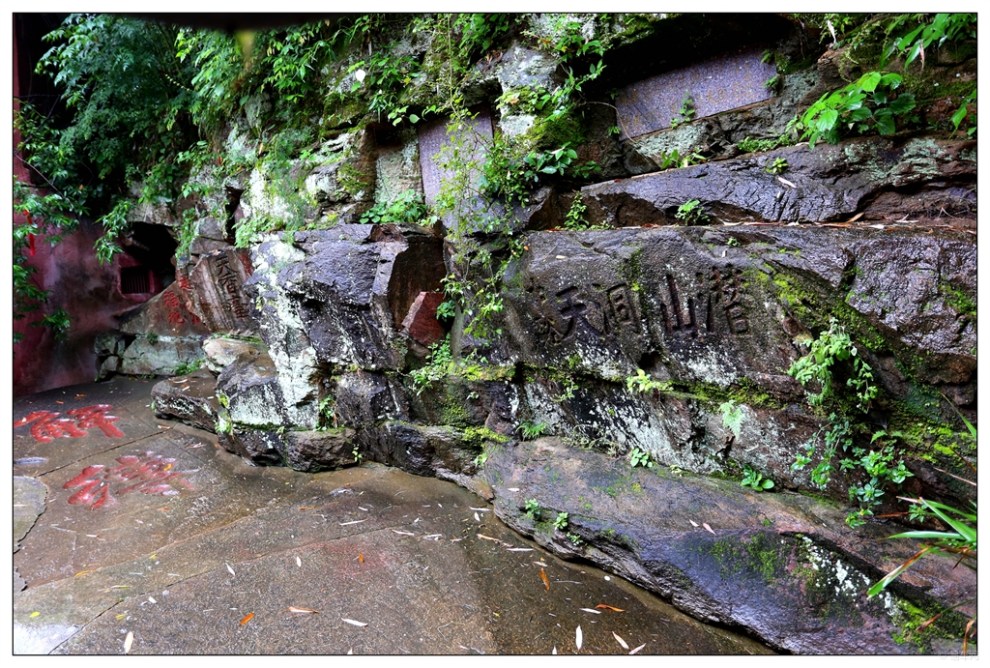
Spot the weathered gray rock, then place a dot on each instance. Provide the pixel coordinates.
(830, 183)
(633, 338)
(339, 296)
(160, 355)
(222, 351)
(437, 451)
(363, 399)
(782, 567)
(190, 398)
(313, 451)
(249, 391)
(261, 447)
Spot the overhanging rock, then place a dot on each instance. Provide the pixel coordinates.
(830, 183)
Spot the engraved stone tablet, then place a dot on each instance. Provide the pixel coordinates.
(716, 85)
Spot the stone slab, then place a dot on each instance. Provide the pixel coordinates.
(720, 84)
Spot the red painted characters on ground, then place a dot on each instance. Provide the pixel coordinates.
(46, 426)
(97, 484)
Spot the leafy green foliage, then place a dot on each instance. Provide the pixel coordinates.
(692, 212)
(831, 351)
(941, 28)
(533, 509)
(574, 218)
(958, 539)
(561, 521)
(755, 480)
(686, 113)
(437, 366)
(407, 207)
(778, 166)
(867, 104)
(846, 388)
(732, 416)
(642, 383)
(532, 430)
(641, 458)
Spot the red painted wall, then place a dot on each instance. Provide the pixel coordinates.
(88, 292)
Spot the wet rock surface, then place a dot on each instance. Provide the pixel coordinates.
(828, 184)
(194, 552)
(781, 566)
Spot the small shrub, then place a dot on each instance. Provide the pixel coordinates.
(533, 509)
(639, 457)
(755, 480)
(692, 212)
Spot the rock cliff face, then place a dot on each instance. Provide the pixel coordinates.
(634, 370)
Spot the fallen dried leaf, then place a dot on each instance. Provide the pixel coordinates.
(693, 523)
(247, 618)
(786, 182)
(518, 549)
(360, 558)
(578, 637)
(35, 614)
(354, 622)
(856, 217)
(606, 606)
(546, 580)
(344, 524)
(128, 641)
(707, 528)
(637, 649)
(231, 569)
(293, 608)
(403, 533)
(594, 612)
(298, 562)
(619, 639)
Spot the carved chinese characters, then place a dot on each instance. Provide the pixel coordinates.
(641, 297)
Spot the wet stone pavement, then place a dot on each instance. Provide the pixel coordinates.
(137, 535)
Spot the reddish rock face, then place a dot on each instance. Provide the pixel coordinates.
(421, 322)
(89, 293)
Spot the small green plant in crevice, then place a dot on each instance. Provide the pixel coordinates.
(777, 167)
(436, 368)
(560, 522)
(831, 352)
(755, 480)
(406, 207)
(187, 368)
(574, 218)
(845, 389)
(686, 113)
(642, 383)
(692, 212)
(749, 145)
(356, 454)
(327, 412)
(533, 509)
(575, 539)
(641, 458)
(531, 430)
(732, 416)
(674, 159)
